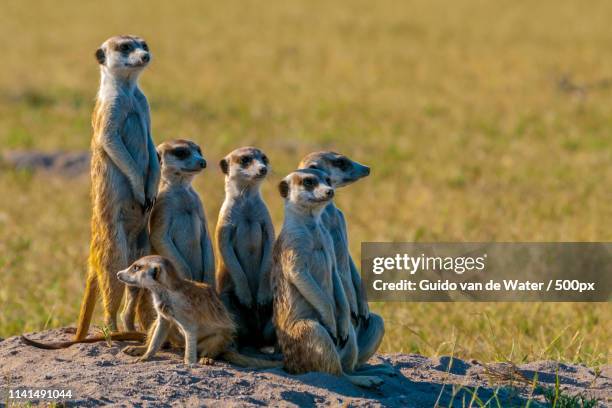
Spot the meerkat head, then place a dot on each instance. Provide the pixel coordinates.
(123, 55)
(246, 166)
(307, 189)
(147, 272)
(180, 160)
(341, 170)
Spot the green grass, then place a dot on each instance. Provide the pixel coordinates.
(460, 109)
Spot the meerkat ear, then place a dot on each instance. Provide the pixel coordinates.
(100, 56)
(224, 166)
(283, 188)
(154, 273)
(159, 156)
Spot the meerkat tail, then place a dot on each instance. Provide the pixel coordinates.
(120, 336)
(87, 306)
(234, 357)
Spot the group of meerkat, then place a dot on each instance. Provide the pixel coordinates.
(300, 293)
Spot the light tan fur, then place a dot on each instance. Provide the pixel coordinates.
(343, 171)
(193, 307)
(244, 238)
(124, 178)
(311, 312)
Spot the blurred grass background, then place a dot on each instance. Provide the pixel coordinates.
(482, 121)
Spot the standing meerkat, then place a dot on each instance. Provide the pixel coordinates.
(192, 307)
(244, 239)
(343, 171)
(311, 312)
(178, 225)
(124, 177)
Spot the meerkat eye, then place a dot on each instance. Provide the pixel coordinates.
(125, 47)
(136, 268)
(181, 153)
(145, 46)
(328, 181)
(309, 183)
(265, 160)
(313, 166)
(245, 160)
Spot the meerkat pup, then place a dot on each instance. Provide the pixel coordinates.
(311, 312)
(178, 225)
(244, 239)
(124, 178)
(343, 171)
(193, 307)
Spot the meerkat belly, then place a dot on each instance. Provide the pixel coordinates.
(186, 235)
(320, 267)
(248, 245)
(341, 251)
(111, 192)
(112, 187)
(134, 135)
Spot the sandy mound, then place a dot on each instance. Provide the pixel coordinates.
(65, 164)
(98, 374)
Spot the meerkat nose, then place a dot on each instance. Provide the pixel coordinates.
(146, 57)
(329, 193)
(263, 171)
(203, 163)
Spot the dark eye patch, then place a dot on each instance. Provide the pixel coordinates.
(264, 159)
(145, 46)
(328, 181)
(181, 153)
(245, 160)
(125, 47)
(342, 163)
(310, 183)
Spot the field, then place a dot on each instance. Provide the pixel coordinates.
(482, 121)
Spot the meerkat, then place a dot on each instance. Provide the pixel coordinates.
(193, 307)
(311, 312)
(244, 237)
(178, 226)
(124, 176)
(343, 171)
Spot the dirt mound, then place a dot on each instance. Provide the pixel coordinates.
(65, 164)
(99, 374)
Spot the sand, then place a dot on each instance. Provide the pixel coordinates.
(98, 374)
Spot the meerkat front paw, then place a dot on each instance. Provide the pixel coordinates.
(142, 359)
(134, 350)
(207, 361)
